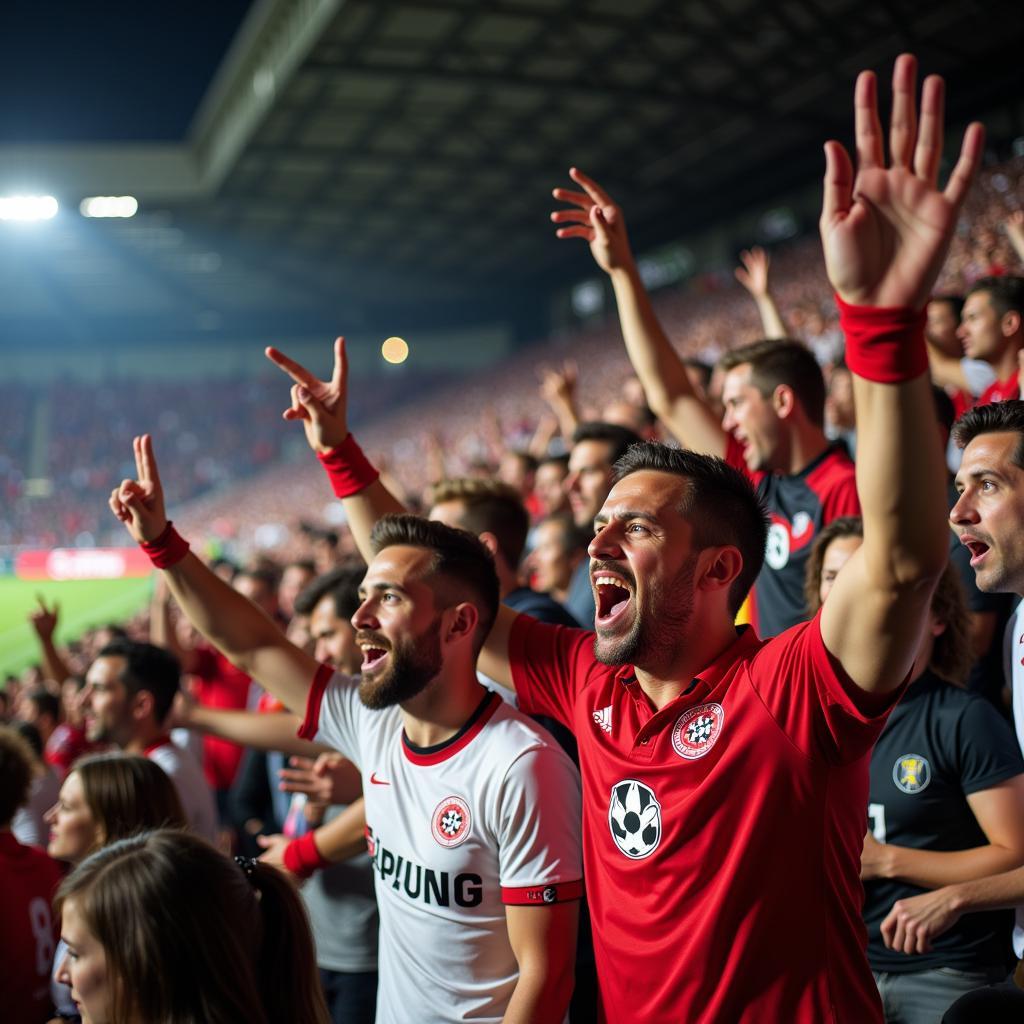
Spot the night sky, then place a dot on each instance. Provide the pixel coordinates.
(108, 71)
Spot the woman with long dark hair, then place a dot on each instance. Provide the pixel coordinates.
(162, 928)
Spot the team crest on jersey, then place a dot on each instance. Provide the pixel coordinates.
(603, 718)
(911, 773)
(451, 821)
(696, 731)
(634, 817)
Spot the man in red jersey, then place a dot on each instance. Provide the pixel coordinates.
(773, 423)
(28, 879)
(725, 779)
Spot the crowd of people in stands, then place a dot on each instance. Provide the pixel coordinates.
(681, 628)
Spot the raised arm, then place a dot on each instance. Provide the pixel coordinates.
(322, 406)
(232, 623)
(44, 621)
(885, 234)
(753, 275)
(593, 216)
(558, 389)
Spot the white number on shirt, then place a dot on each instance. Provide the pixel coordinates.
(876, 814)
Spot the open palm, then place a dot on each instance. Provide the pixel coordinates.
(886, 230)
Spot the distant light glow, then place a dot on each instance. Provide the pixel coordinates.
(27, 207)
(109, 206)
(395, 350)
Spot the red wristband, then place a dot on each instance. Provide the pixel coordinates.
(168, 549)
(302, 858)
(349, 470)
(884, 344)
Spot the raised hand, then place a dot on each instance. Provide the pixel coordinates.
(558, 386)
(139, 503)
(886, 230)
(1015, 232)
(753, 275)
(322, 405)
(594, 217)
(43, 619)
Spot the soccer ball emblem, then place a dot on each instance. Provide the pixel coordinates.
(696, 731)
(634, 817)
(450, 821)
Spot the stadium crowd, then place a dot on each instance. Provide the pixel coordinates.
(494, 668)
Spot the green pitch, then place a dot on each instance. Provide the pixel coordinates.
(83, 603)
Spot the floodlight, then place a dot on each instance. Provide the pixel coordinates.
(109, 206)
(27, 207)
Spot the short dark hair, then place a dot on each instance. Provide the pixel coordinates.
(30, 734)
(459, 558)
(955, 302)
(1006, 293)
(783, 361)
(619, 438)
(45, 702)
(556, 460)
(150, 668)
(340, 583)
(488, 506)
(996, 418)
(16, 771)
(721, 505)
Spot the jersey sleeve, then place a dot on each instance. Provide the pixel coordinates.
(550, 665)
(333, 711)
(539, 854)
(841, 500)
(823, 712)
(986, 749)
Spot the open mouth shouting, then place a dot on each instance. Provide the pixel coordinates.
(375, 650)
(613, 594)
(977, 547)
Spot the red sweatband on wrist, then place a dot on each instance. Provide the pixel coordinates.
(349, 470)
(302, 858)
(884, 344)
(168, 549)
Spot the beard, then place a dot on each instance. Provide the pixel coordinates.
(653, 636)
(412, 664)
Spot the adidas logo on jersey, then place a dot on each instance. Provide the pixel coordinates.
(603, 718)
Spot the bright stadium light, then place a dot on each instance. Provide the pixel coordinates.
(109, 206)
(395, 350)
(27, 207)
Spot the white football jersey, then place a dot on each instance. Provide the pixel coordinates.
(458, 831)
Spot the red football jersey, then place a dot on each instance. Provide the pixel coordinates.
(1001, 391)
(28, 930)
(722, 834)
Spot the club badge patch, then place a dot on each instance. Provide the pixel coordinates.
(634, 817)
(696, 731)
(451, 821)
(911, 773)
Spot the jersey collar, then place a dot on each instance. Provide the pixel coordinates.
(425, 756)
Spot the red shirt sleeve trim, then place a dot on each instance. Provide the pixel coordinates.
(542, 895)
(311, 723)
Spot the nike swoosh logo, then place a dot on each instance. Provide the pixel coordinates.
(376, 781)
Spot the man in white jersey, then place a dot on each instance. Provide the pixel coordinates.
(127, 699)
(473, 812)
(988, 517)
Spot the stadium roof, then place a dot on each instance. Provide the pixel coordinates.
(352, 163)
